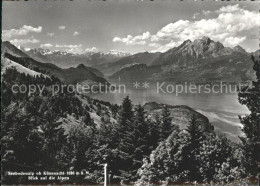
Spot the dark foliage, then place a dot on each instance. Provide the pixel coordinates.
(250, 96)
(39, 134)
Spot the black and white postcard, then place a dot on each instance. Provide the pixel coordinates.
(130, 92)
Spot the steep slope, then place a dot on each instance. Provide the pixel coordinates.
(70, 75)
(7, 63)
(7, 47)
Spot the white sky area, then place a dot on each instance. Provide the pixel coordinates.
(92, 26)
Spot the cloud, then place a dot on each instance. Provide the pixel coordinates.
(232, 26)
(24, 41)
(154, 45)
(24, 30)
(93, 49)
(233, 41)
(195, 15)
(137, 40)
(206, 12)
(230, 9)
(62, 27)
(47, 45)
(75, 33)
(162, 48)
(50, 34)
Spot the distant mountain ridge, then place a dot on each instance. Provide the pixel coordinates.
(71, 75)
(200, 61)
(66, 59)
(139, 58)
(189, 51)
(136, 72)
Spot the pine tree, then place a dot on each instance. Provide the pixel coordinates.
(106, 145)
(53, 137)
(166, 124)
(154, 132)
(218, 159)
(77, 153)
(141, 136)
(126, 115)
(250, 96)
(114, 110)
(166, 161)
(195, 132)
(86, 119)
(142, 131)
(127, 144)
(196, 136)
(23, 139)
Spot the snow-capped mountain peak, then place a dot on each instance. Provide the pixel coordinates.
(118, 53)
(41, 51)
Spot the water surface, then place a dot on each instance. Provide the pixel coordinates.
(222, 109)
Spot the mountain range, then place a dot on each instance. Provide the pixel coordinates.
(125, 62)
(200, 61)
(66, 59)
(70, 75)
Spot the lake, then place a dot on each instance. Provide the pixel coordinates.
(222, 109)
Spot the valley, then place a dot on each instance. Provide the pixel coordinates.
(202, 61)
(124, 92)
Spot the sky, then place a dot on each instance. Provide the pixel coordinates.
(126, 25)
